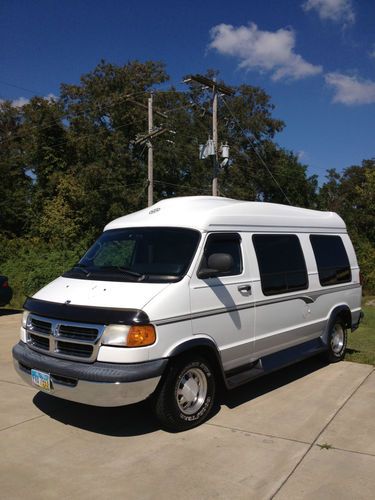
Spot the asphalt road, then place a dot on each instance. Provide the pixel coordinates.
(307, 431)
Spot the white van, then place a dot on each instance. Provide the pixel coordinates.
(194, 293)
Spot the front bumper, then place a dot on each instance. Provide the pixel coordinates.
(98, 383)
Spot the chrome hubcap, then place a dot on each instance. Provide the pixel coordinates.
(337, 339)
(191, 391)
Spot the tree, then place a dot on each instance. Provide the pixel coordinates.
(15, 183)
(103, 124)
(352, 196)
(71, 164)
(246, 122)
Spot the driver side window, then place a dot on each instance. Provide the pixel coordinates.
(227, 243)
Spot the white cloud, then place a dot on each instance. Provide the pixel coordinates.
(302, 156)
(21, 101)
(16, 103)
(351, 90)
(372, 52)
(51, 97)
(262, 50)
(333, 10)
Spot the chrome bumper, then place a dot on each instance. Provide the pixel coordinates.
(128, 384)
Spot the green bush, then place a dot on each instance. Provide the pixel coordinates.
(30, 264)
(366, 259)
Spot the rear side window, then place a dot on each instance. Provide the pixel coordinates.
(331, 259)
(224, 243)
(281, 263)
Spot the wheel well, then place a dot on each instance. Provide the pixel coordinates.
(340, 312)
(208, 353)
(345, 315)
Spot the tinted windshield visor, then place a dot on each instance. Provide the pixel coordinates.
(139, 254)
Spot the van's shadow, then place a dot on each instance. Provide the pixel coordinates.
(137, 419)
(269, 383)
(132, 420)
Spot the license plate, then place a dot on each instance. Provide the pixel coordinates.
(41, 380)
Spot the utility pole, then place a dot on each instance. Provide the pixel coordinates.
(223, 89)
(150, 163)
(214, 137)
(147, 138)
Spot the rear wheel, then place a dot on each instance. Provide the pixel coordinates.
(187, 394)
(337, 340)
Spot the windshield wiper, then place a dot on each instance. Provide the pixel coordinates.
(124, 270)
(82, 268)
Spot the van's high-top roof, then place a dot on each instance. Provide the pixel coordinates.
(214, 213)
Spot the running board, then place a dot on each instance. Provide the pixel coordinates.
(273, 362)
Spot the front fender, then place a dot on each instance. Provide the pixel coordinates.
(193, 343)
(205, 346)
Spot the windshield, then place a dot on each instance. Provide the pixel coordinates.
(138, 254)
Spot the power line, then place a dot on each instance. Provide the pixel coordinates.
(191, 188)
(126, 97)
(19, 88)
(37, 92)
(78, 114)
(105, 107)
(142, 185)
(84, 136)
(216, 88)
(255, 150)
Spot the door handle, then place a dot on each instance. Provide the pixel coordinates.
(244, 288)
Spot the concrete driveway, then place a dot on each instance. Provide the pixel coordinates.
(305, 432)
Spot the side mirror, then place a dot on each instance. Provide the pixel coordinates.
(217, 263)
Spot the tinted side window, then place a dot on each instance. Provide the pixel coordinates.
(281, 263)
(331, 259)
(224, 243)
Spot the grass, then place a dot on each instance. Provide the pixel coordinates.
(325, 446)
(361, 342)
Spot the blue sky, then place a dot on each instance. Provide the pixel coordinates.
(315, 58)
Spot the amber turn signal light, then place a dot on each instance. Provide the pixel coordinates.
(141, 335)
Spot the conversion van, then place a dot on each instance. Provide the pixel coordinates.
(187, 296)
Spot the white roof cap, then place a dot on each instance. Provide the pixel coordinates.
(211, 212)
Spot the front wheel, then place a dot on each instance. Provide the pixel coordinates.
(187, 394)
(337, 340)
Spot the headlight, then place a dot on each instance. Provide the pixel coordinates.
(115, 335)
(129, 336)
(24, 318)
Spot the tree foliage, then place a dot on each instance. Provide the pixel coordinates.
(70, 164)
(352, 195)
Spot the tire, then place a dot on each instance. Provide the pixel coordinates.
(337, 340)
(186, 395)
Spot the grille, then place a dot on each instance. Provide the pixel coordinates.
(81, 350)
(78, 332)
(39, 342)
(64, 339)
(40, 326)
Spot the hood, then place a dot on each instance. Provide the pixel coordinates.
(122, 295)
